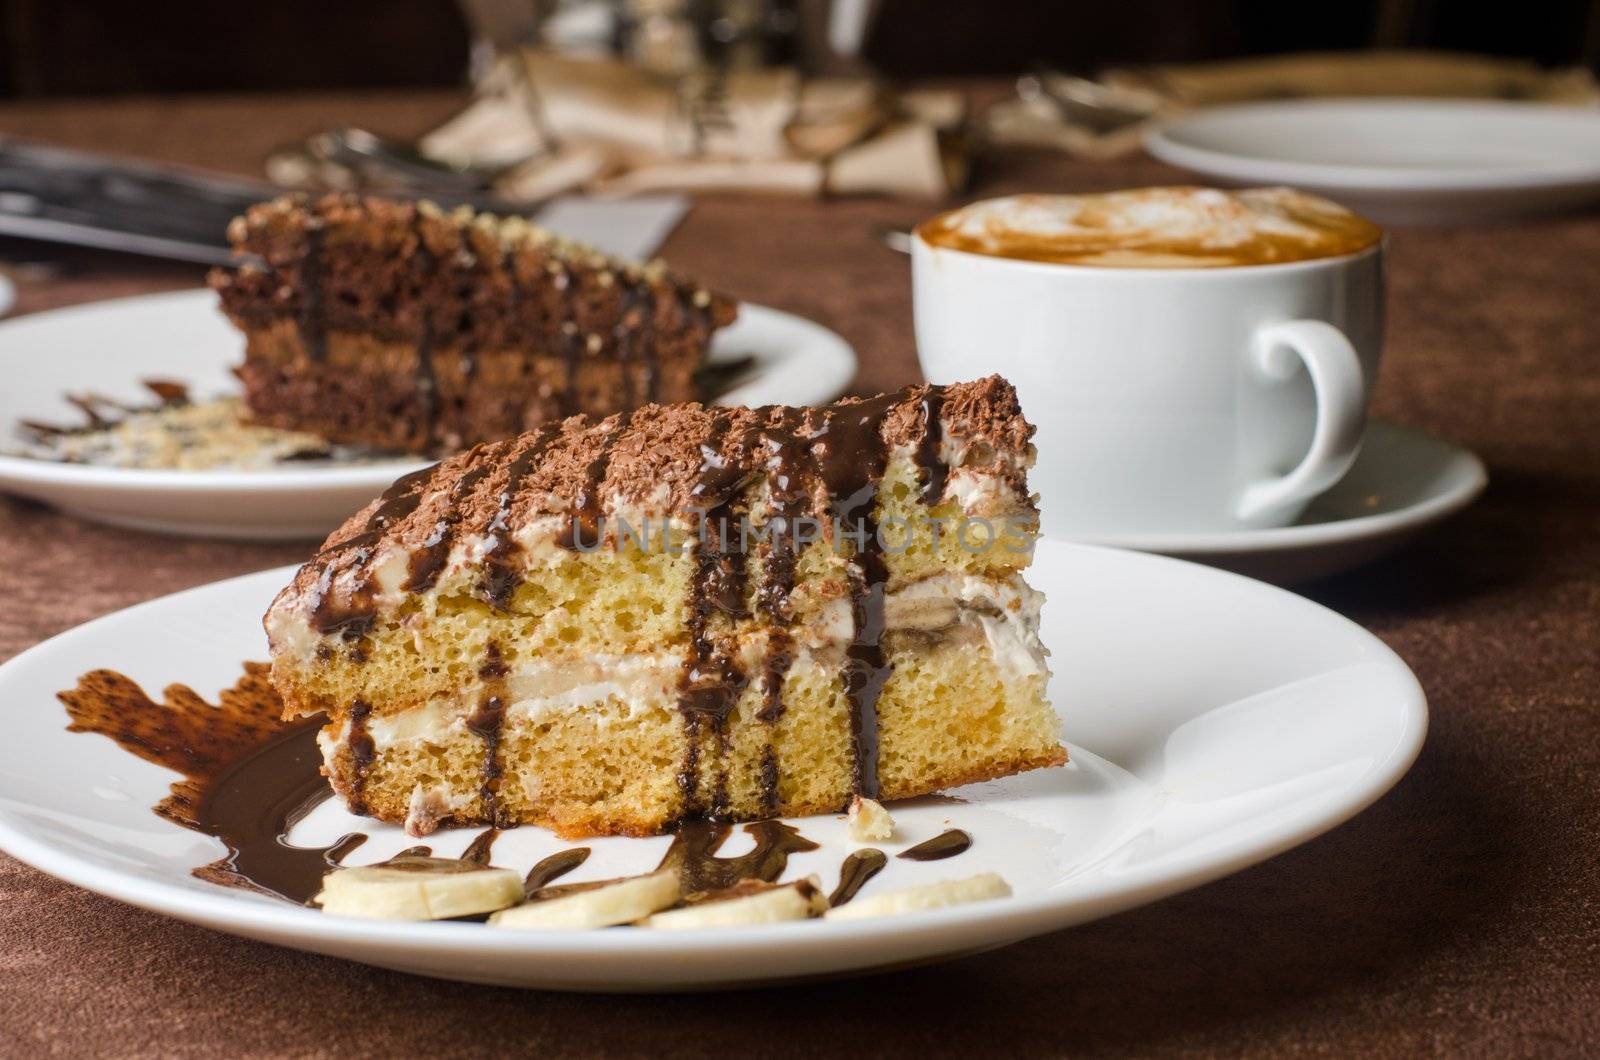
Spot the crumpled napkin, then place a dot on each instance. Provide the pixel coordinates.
(560, 123)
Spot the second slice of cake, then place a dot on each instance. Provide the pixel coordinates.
(608, 625)
(398, 325)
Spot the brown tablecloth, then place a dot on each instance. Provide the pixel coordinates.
(1458, 916)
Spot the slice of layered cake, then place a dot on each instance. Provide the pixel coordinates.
(399, 326)
(608, 625)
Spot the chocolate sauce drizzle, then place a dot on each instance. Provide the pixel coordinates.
(946, 844)
(634, 336)
(486, 723)
(310, 321)
(362, 754)
(847, 454)
(481, 848)
(583, 528)
(859, 867)
(249, 778)
(935, 472)
(501, 577)
(426, 386)
(570, 342)
(353, 618)
(711, 682)
(552, 868)
(426, 563)
(168, 394)
(694, 847)
(853, 459)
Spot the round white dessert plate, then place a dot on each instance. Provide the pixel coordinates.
(108, 347)
(1213, 721)
(1402, 482)
(1399, 160)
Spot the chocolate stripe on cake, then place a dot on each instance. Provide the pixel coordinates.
(849, 454)
(583, 530)
(362, 754)
(424, 565)
(425, 386)
(935, 472)
(710, 684)
(486, 723)
(570, 342)
(854, 455)
(313, 328)
(500, 578)
(354, 614)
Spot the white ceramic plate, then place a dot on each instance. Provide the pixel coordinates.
(1399, 159)
(1402, 483)
(109, 346)
(1214, 721)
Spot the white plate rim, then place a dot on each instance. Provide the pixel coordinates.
(1164, 143)
(831, 365)
(1334, 532)
(997, 922)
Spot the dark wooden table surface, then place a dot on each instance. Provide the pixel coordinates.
(1458, 916)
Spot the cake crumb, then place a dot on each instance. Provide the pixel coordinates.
(869, 822)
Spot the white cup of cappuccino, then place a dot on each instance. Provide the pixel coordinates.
(1195, 360)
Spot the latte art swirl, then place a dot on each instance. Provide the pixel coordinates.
(1177, 227)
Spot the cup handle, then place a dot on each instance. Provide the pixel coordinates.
(1336, 375)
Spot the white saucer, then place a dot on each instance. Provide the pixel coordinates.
(109, 346)
(1213, 721)
(1402, 160)
(1403, 482)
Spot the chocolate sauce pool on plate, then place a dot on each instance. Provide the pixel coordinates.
(552, 868)
(946, 844)
(857, 869)
(249, 778)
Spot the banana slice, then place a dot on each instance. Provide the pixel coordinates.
(869, 822)
(418, 888)
(751, 902)
(621, 902)
(927, 896)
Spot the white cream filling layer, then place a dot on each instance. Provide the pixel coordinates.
(1005, 614)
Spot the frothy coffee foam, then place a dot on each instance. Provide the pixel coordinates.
(1156, 228)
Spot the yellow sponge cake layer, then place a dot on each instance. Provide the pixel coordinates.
(606, 626)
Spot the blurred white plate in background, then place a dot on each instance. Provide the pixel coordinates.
(108, 347)
(1399, 160)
